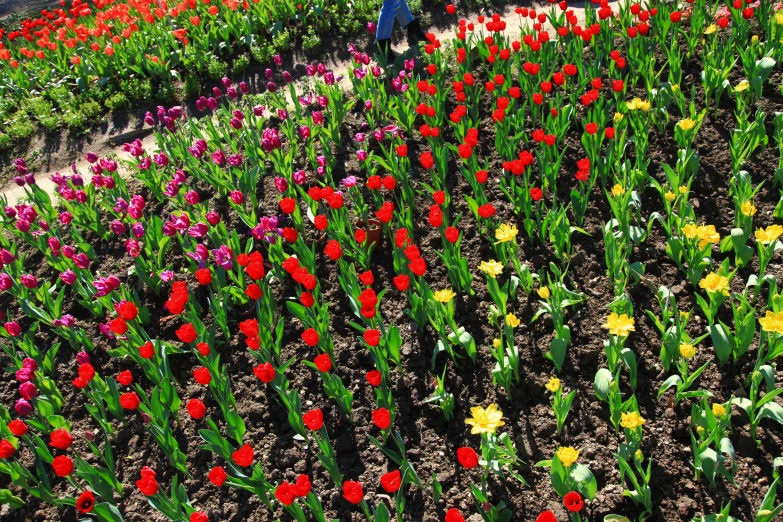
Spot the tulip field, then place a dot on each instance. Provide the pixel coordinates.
(505, 277)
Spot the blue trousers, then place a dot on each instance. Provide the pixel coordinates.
(390, 10)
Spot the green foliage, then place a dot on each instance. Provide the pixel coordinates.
(240, 64)
(136, 89)
(20, 127)
(217, 69)
(117, 101)
(5, 141)
(192, 87)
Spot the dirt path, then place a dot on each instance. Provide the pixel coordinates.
(13, 194)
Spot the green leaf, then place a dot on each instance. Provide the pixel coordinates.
(7, 497)
(603, 378)
(587, 485)
(721, 342)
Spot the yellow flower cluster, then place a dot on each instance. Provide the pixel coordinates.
(619, 325)
(715, 283)
(491, 268)
(687, 350)
(444, 296)
(706, 234)
(553, 385)
(772, 322)
(485, 420)
(748, 209)
(506, 233)
(618, 190)
(567, 455)
(632, 420)
(638, 103)
(686, 124)
(768, 235)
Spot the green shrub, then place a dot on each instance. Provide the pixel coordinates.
(311, 40)
(61, 96)
(50, 122)
(91, 109)
(192, 87)
(75, 120)
(240, 64)
(20, 127)
(117, 101)
(217, 69)
(5, 141)
(263, 53)
(136, 89)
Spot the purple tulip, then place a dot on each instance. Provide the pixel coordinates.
(68, 277)
(237, 197)
(371, 27)
(235, 160)
(299, 177)
(281, 184)
(138, 230)
(24, 374)
(28, 280)
(118, 227)
(213, 218)
(13, 328)
(225, 81)
(361, 155)
(23, 407)
(81, 260)
(149, 119)
(133, 247)
(192, 197)
(243, 88)
(258, 110)
(198, 230)
(28, 391)
(278, 59)
(68, 251)
(30, 364)
(68, 321)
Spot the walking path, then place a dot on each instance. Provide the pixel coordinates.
(13, 194)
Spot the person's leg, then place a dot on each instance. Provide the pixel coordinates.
(410, 24)
(404, 15)
(386, 19)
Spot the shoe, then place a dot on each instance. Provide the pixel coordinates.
(415, 31)
(384, 48)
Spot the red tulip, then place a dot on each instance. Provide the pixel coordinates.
(391, 481)
(323, 362)
(381, 418)
(243, 456)
(129, 401)
(60, 439)
(62, 465)
(86, 502)
(196, 409)
(147, 484)
(313, 419)
(217, 476)
(352, 492)
(467, 457)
